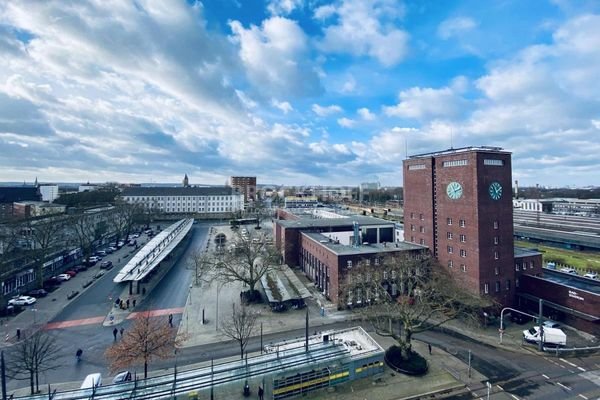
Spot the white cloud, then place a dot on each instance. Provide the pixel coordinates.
(324, 12)
(283, 7)
(346, 122)
(423, 103)
(282, 105)
(365, 28)
(596, 123)
(276, 57)
(455, 26)
(366, 114)
(349, 85)
(327, 110)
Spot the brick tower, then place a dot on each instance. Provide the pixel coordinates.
(458, 202)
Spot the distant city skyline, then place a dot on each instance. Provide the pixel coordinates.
(294, 91)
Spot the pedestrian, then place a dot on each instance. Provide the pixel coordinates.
(121, 331)
(18, 334)
(128, 304)
(133, 303)
(171, 320)
(429, 347)
(115, 331)
(261, 393)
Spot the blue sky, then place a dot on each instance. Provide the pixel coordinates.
(297, 92)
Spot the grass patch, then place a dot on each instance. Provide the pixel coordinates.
(583, 261)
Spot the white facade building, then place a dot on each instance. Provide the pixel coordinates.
(198, 200)
(49, 192)
(87, 187)
(528, 205)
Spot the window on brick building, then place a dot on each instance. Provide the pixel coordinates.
(412, 227)
(412, 239)
(496, 272)
(517, 267)
(463, 267)
(461, 223)
(450, 264)
(497, 286)
(421, 217)
(412, 215)
(449, 235)
(496, 240)
(486, 288)
(508, 284)
(496, 225)
(422, 242)
(531, 265)
(349, 263)
(463, 253)
(376, 260)
(422, 229)
(496, 255)
(368, 262)
(450, 250)
(449, 221)
(463, 238)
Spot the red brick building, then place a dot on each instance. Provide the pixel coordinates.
(246, 185)
(458, 202)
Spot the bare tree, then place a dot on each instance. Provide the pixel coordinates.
(32, 355)
(412, 290)
(123, 219)
(247, 260)
(147, 339)
(47, 235)
(241, 326)
(84, 231)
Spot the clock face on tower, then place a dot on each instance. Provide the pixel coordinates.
(495, 190)
(454, 190)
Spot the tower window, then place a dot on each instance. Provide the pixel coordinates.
(449, 235)
(412, 227)
(422, 229)
(517, 267)
(422, 242)
(496, 240)
(463, 267)
(495, 224)
(450, 250)
(463, 253)
(496, 272)
(461, 223)
(421, 217)
(496, 255)
(450, 264)
(486, 288)
(463, 238)
(449, 221)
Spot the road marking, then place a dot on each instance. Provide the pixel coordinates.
(545, 376)
(74, 322)
(581, 369)
(514, 397)
(568, 362)
(156, 313)
(563, 386)
(500, 387)
(583, 397)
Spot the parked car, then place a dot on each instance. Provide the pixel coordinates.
(100, 274)
(120, 244)
(95, 259)
(591, 275)
(71, 272)
(121, 377)
(37, 293)
(110, 250)
(79, 268)
(567, 270)
(63, 277)
(21, 301)
(101, 253)
(106, 265)
(551, 324)
(135, 236)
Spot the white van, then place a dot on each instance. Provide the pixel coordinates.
(92, 381)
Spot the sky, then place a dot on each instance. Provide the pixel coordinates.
(295, 92)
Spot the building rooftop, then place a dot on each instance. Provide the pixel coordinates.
(10, 194)
(332, 222)
(525, 252)
(574, 281)
(485, 149)
(179, 191)
(343, 249)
